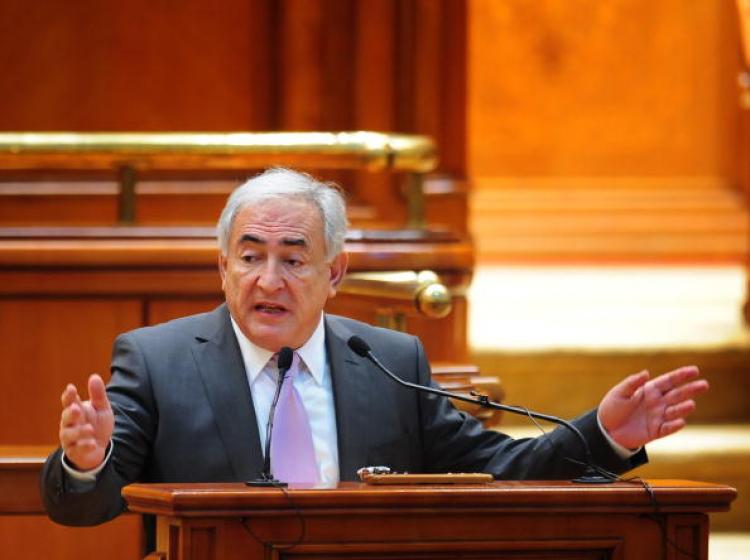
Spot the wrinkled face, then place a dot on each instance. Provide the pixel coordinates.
(275, 276)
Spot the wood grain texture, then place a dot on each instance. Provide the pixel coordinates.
(551, 496)
(196, 248)
(247, 65)
(260, 64)
(166, 309)
(498, 520)
(134, 66)
(46, 343)
(164, 272)
(618, 88)
(385, 65)
(35, 536)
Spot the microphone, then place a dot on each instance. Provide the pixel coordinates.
(593, 474)
(284, 362)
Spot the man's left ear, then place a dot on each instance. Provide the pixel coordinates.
(338, 269)
(223, 270)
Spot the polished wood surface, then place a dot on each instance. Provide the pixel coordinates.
(47, 342)
(233, 498)
(500, 519)
(119, 278)
(259, 65)
(20, 466)
(23, 520)
(504, 517)
(128, 246)
(112, 279)
(195, 68)
(35, 536)
(588, 89)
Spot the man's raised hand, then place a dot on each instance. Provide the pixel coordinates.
(86, 426)
(639, 410)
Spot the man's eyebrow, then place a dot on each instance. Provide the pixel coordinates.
(287, 241)
(294, 242)
(249, 237)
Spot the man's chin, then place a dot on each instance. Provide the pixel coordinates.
(271, 339)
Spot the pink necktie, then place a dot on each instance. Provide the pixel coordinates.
(292, 451)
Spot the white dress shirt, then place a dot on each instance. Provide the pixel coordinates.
(314, 386)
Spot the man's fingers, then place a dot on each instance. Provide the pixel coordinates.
(98, 393)
(680, 410)
(668, 381)
(628, 386)
(668, 428)
(686, 392)
(71, 415)
(69, 396)
(73, 435)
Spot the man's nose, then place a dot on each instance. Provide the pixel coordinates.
(270, 278)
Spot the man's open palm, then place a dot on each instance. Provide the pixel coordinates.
(639, 410)
(86, 426)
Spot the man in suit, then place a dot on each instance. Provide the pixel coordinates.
(189, 400)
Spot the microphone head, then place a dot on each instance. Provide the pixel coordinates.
(286, 355)
(359, 346)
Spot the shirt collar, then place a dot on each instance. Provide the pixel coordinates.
(312, 353)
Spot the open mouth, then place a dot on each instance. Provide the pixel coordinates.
(270, 308)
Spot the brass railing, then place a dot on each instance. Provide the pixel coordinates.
(423, 290)
(131, 153)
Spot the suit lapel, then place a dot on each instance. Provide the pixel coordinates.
(220, 365)
(349, 374)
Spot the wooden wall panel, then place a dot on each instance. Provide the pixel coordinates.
(237, 65)
(445, 345)
(57, 210)
(628, 87)
(46, 343)
(117, 540)
(316, 55)
(162, 310)
(90, 65)
(388, 65)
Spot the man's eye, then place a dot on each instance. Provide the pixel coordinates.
(293, 262)
(250, 258)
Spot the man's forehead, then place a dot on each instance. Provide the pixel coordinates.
(289, 223)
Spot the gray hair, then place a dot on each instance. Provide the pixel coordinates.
(280, 183)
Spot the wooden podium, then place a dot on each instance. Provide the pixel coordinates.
(530, 520)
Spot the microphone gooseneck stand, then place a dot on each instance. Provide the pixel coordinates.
(593, 474)
(266, 478)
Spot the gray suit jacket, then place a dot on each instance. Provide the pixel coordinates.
(183, 412)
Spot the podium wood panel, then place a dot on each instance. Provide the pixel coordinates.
(495, 520)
